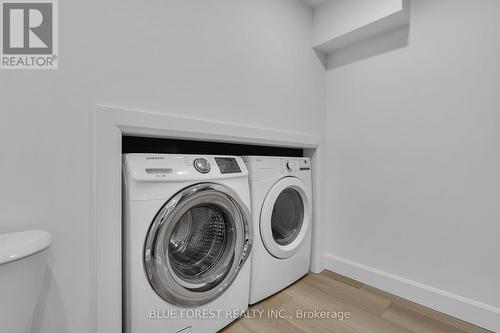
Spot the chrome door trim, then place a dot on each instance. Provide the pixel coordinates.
(162, 278)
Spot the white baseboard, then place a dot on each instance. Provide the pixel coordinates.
(478, 313)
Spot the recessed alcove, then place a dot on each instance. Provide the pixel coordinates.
(117, 130)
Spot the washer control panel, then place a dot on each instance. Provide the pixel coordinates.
(182, 167)
(227, 165)
(202, 165)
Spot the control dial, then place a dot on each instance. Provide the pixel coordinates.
(292, 165)
(201, 165)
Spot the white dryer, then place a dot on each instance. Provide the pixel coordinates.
(280, 189)
(186, 236)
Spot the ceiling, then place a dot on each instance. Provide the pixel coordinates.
(314, 3)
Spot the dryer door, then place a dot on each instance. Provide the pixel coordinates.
(197, 244)
(285, 217)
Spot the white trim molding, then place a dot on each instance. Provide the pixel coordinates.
(109, 125)
(475, 312)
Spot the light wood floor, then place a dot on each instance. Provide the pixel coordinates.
(372, 310)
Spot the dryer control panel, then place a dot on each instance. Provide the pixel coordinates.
(264, 167)
(295, 165)
(304, 164)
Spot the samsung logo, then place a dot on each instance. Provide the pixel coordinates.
(155, 158)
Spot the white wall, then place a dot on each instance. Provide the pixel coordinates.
(247, 62)
(413, 142)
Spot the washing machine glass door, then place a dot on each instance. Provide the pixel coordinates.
(197, 244)
(285, 217)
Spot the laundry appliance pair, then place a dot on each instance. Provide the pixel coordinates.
(204, 236)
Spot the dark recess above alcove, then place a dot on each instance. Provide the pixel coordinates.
(136, 144)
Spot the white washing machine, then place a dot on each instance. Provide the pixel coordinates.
(280, 189)
(187, 235)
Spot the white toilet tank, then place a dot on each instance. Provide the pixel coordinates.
(23, 260)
